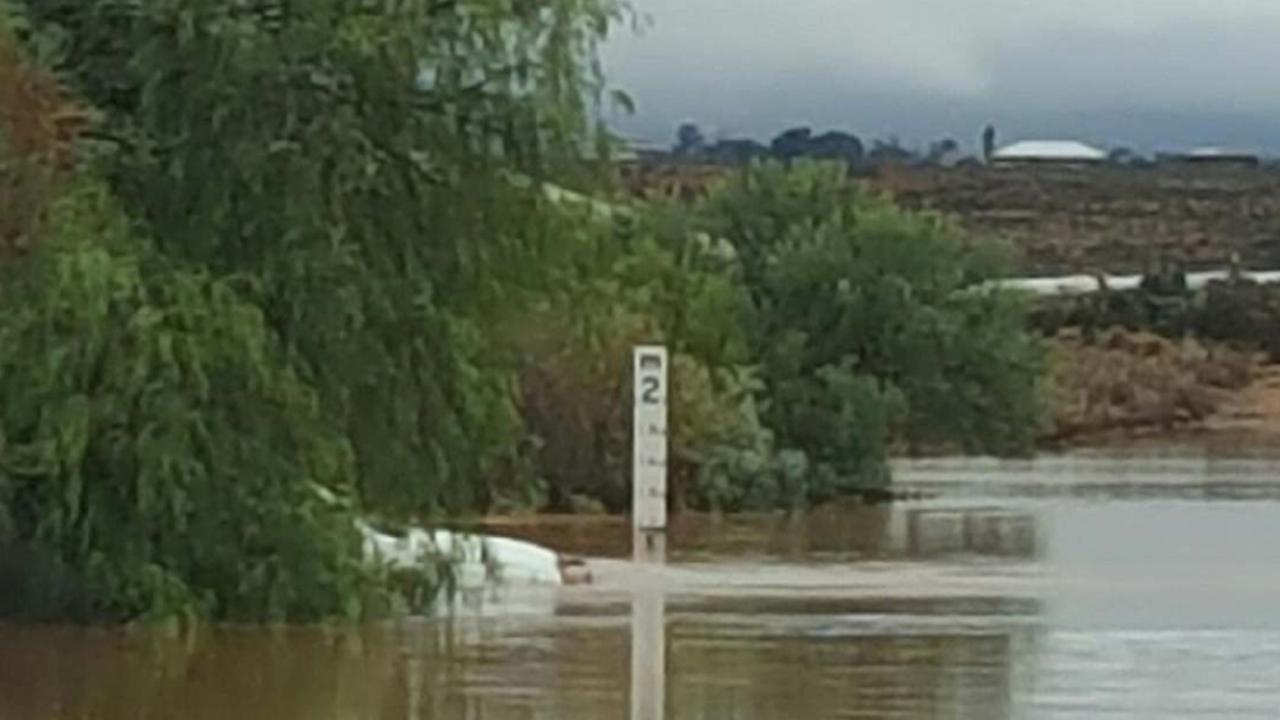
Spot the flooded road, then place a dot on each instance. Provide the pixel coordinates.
(1075, 587)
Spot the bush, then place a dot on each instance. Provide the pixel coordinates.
(870, 327)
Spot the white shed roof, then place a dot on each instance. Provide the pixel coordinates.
(1060, 150)
(1218, 152)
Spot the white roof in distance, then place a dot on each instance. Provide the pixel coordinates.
(1060, 150)
(1217, 152)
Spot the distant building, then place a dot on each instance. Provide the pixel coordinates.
(1063, 152)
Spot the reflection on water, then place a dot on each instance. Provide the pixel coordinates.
(108, 674)
(845, 533)
(719, 667)
(1179, 474)
(820, 674)
(1066, 589)
(939, 531)
(1158, 674)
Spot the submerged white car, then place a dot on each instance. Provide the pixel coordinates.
(476, 559)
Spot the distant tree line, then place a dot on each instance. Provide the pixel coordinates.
(803, 143)
(692, 145)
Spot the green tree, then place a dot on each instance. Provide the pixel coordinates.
(689, 140)
(365, 168)
(154, 439)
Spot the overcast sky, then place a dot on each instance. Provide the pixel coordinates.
(1151, 74)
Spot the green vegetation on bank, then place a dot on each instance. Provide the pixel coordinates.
(287, 246)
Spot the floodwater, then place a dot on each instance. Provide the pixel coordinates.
(1085, 586)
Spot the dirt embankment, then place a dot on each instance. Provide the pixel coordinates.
(1251, 416)
(1122, 385)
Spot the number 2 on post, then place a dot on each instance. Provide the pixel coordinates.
(649, 390)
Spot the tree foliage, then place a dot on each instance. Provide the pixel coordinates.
(357, 162)
(881, 313)
(154, 436)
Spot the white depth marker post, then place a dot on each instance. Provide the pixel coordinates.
(649, 510)
(649, 433)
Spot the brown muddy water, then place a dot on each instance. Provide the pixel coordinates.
(1085, 586)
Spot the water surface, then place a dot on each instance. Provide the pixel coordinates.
(1086, 586)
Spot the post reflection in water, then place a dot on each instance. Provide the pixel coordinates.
(648, 628)
(741, 657)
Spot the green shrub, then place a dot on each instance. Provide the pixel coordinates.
(870, 327)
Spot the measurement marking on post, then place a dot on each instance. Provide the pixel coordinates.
(649, 434)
